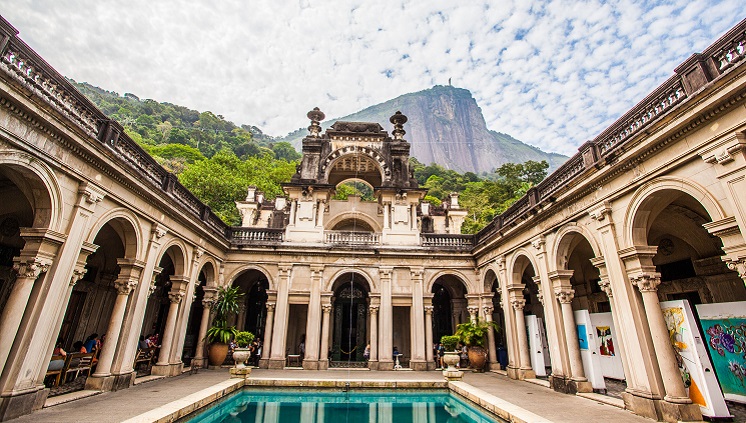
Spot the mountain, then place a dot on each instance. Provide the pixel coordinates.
(446, 126)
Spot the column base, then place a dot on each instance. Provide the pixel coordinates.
(579, 386)
(385, 365)
(559, 383)
(124, 380)
(431, 365)
(176, 368)
(513, 372)
(100, 383)
(310, 365)
(372, 364)
(643, 405)
(21, 404)
(276, 364)
(419, 366)
(263, 363)
(673, 412)
(161, 370)
(323, 364)
(527, 374)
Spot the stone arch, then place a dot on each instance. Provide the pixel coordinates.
(248, 267)
(519, 262)
(127, 225)
(565, 241)
(39, 185)
(177, 251)
(355, 151)
(490, 279)
(208, 265)
(651, 198)
(330, 283)
(353, 215)
(468, 286)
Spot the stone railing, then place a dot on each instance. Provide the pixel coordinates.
(447, 241)
(692, 75)
(352, 238)
(35, 76)
(248, 236)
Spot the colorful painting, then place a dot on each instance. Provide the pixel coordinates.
(607, 343)
(726, 339)
(582, 337)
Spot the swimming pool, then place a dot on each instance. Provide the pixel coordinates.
(333, 406)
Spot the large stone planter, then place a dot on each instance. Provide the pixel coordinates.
(451, 359)
(240, 355)
(477, 358)
(216, 354)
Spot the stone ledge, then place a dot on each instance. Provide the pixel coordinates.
(349, 383)
(540, 382)
(495, 405)
(604, 399)
(71, 396)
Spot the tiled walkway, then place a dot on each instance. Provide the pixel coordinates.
(128, 403)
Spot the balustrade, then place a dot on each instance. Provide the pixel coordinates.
(352, 238)
(241, 236)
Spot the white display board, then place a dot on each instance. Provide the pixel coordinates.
(606, 346)
(724, 329)
(694, 364)
(587, 341)
(536, 345)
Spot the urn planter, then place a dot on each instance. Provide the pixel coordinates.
(451, 358)
(240, 355)
(477, 358)
(216, 354)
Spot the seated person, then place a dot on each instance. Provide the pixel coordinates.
(58, 351)
(58, 348)
(91, 343)
(143, 344)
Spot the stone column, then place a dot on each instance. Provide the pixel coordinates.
(526, 371)
(162, 366)
(27, 272)
(101, 380)
(579, 381)
(386, 212)
(208, 300)
(313, 327)
(473, 313)
(386, 335)
(418, 361)
(373, 361)
(675, 390)
(492, 350)
(279, 333)
(326, 311)
(267, 341)
(429, 337)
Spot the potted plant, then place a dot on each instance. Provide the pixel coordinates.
(220, 333)
(451, 357)
(473, 334)
(242, 353)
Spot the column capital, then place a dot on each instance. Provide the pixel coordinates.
(208, 302)
(538, 244)
(600, 211)
(373, 309)
(473, 310)
(646, 282)
(738, 266)
(723, 150)
(429, 309)
(32, 267)
(417, 273)
(78, 274)
(385, 272)
(175, 297)
(518, 303)
(270, 307)
(317, 270)
(125, 286)
(326, 308)
(90, 195)
(488, 310)
(605, 285)
(158, 231)
(284, 270)
(540, 296)
(500, 260)
(565, 296)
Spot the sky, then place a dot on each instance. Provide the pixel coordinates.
(550, 73)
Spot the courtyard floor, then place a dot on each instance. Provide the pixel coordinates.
(158, 395)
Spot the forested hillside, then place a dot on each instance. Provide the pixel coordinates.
(217, 160)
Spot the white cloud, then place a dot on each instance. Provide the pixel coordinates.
(552, 74)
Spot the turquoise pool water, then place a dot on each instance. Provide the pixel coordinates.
(334, 406)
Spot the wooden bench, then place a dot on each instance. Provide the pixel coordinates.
(147, 356)
(77, 363)
(57, 372)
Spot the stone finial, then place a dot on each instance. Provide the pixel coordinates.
(398, 119)
(316, 117)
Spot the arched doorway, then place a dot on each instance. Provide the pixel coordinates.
(253, 312)
(195, 316)
(500, 336)
(449, 305)
(350, 335)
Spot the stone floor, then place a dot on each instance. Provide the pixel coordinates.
(146, 397)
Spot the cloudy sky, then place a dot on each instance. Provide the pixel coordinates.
(550, 73)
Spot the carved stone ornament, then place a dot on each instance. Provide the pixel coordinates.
(417, 274)
(565, 296)
(77, 275)
(373, 309)
(159, 231)
(271, 307)
(429, 309)
(738, 266)
(208, 302)
(518, 303)
(599, 213)
(540, 297)
(124, 287)
(326, 308)
(32, 268)
(316, 116)
(646, 283)
(488, 310)
(175, 297)
(538, 243)
(92, 195)
(473, 310)
(605, 285)
(398, 119)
